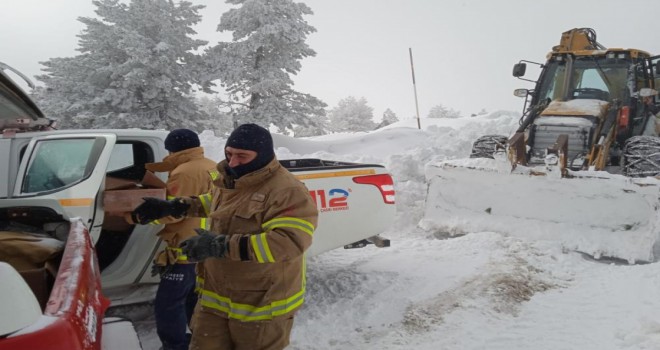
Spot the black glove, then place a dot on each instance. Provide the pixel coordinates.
(154, 208)
(206, 245)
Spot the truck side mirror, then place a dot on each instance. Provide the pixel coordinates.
(519, 69)
(657, 68)
(520, 92)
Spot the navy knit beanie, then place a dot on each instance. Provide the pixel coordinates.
(254, 138)
(181, 139)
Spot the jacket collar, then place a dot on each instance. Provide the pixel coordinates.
(175, 159)
(246, 180)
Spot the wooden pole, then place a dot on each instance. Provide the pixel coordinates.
(412, 68)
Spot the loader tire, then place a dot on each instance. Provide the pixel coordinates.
(641, 156)
(488, 145)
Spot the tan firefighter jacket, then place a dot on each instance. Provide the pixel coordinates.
(189, 175)
(270, 219)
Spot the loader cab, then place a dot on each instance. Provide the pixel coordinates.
(602, 75)
(569, 82)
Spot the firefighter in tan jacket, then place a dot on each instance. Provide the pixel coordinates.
(189, 175)
(252, 278)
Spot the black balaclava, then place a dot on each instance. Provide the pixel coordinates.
(181, 139)
(254, 138)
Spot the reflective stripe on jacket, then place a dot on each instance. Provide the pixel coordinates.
(188, 176)
(270, 219)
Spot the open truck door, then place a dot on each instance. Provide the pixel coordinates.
(65, 172)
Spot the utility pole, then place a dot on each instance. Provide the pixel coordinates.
(412, 68)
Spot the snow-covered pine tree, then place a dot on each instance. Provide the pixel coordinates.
(219, 121)
(255, 68)
(352, 115)
(320, 128)
(441, 111)
(134, 68)
(389, 117)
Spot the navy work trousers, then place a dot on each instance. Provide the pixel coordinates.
(174, 305)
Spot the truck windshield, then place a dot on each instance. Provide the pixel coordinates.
(590, 78)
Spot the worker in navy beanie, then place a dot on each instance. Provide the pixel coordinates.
(181, 139)
(254, 138)
(188, 174)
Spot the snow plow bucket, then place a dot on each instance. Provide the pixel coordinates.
(596, 213)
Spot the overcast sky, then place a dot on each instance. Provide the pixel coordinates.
(463, 50)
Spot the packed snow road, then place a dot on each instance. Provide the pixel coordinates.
(478, 291)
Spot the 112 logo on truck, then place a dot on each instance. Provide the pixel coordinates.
(336, 199)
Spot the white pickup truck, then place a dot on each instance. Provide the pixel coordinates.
(49, 177)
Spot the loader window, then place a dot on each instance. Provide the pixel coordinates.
(590, 84)
(599, 78)
(56, 164)
(552, 80)
(589, 78)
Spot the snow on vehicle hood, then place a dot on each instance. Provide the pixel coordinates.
(576, 107)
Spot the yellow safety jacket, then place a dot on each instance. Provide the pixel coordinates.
(189, 175)
(270, 219)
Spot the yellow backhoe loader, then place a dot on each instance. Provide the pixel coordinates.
(582, 166)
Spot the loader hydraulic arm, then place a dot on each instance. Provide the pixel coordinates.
(578, 39)
(600, 150)
(533, 112)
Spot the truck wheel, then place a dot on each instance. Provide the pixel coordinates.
(641, 156)
(488, 145)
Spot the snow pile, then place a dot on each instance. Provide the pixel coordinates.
(604, 215)
(576, 106)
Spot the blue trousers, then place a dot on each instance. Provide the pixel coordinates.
(174, 305)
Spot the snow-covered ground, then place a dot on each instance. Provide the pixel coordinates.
(484, 290)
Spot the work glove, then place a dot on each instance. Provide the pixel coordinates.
(205, 245)
(154, 208)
